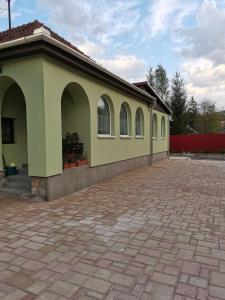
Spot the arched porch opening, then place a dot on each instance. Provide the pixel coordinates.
(13, 124)
(75, 113)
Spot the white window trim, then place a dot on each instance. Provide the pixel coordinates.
(139, 137)
(106, 136)
(125, 136)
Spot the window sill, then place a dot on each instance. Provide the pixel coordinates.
(125, 137)
(105, 136)
(155, 139)
(163, 138)
(141, 137)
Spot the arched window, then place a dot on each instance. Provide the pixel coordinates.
(123, 120)
(104, 117)
(139, 123)
(155, 126)
(163, 127)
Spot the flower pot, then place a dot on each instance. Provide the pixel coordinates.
(82, 163)
(69, 165)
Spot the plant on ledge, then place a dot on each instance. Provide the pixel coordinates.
(73, 151)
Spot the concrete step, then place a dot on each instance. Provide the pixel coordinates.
(15, 192)
(18, 178)
(18, 184)
(23, 185)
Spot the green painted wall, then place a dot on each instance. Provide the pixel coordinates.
(28, 74)
(76, 114)
(105, 150)
(43, 90)
(161, 144)
(14, 106)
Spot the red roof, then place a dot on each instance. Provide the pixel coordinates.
(28, 29)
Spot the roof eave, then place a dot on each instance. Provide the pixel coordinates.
(157, 95)
(58, 50)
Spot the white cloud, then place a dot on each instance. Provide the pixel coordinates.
(4, 9)
(168, 15)
(205, 80)
(207, 38)
(98, 20)
(128, 67)
(204, 53)
(94, 50)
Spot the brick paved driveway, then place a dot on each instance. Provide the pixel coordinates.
(157, 233)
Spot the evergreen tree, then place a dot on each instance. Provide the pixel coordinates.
(178, 101)
(192, 115)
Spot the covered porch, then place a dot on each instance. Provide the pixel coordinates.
(31, 129)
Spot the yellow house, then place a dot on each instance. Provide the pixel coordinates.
(48, 87)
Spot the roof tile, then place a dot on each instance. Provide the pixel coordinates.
(28, 29)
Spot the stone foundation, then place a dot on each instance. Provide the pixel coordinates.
(160, 156)
(75, 179)
(39, 187)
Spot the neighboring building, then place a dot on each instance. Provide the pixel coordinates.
(49, 87)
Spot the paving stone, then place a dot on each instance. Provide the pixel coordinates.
(191, 268)
(186, 290)
(122, 279)
(98, 285)
(162, 292)
(63, 288)
(220, 254)
(164, 278)
(217, 278)
(216, 291)
(198, 281)
(155, 233)
(37, 287)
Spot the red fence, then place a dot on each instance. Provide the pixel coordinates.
(195, 143)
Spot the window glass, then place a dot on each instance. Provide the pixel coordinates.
(163, 128)
(7, 130)
(139, 123)
(123, 120)
(155, 126)
(103, 117)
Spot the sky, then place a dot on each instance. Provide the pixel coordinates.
(127, 36)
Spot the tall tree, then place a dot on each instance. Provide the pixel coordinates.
(158, 79)
(178, 101)
(161, 82)
(192, 115)
(151, 76)
(209, 119)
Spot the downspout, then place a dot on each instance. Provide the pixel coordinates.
(151, 132)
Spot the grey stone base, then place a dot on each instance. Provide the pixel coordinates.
(75, 179)
(39, 187)
(160, 156)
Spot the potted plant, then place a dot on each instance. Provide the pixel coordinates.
(72, 150)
